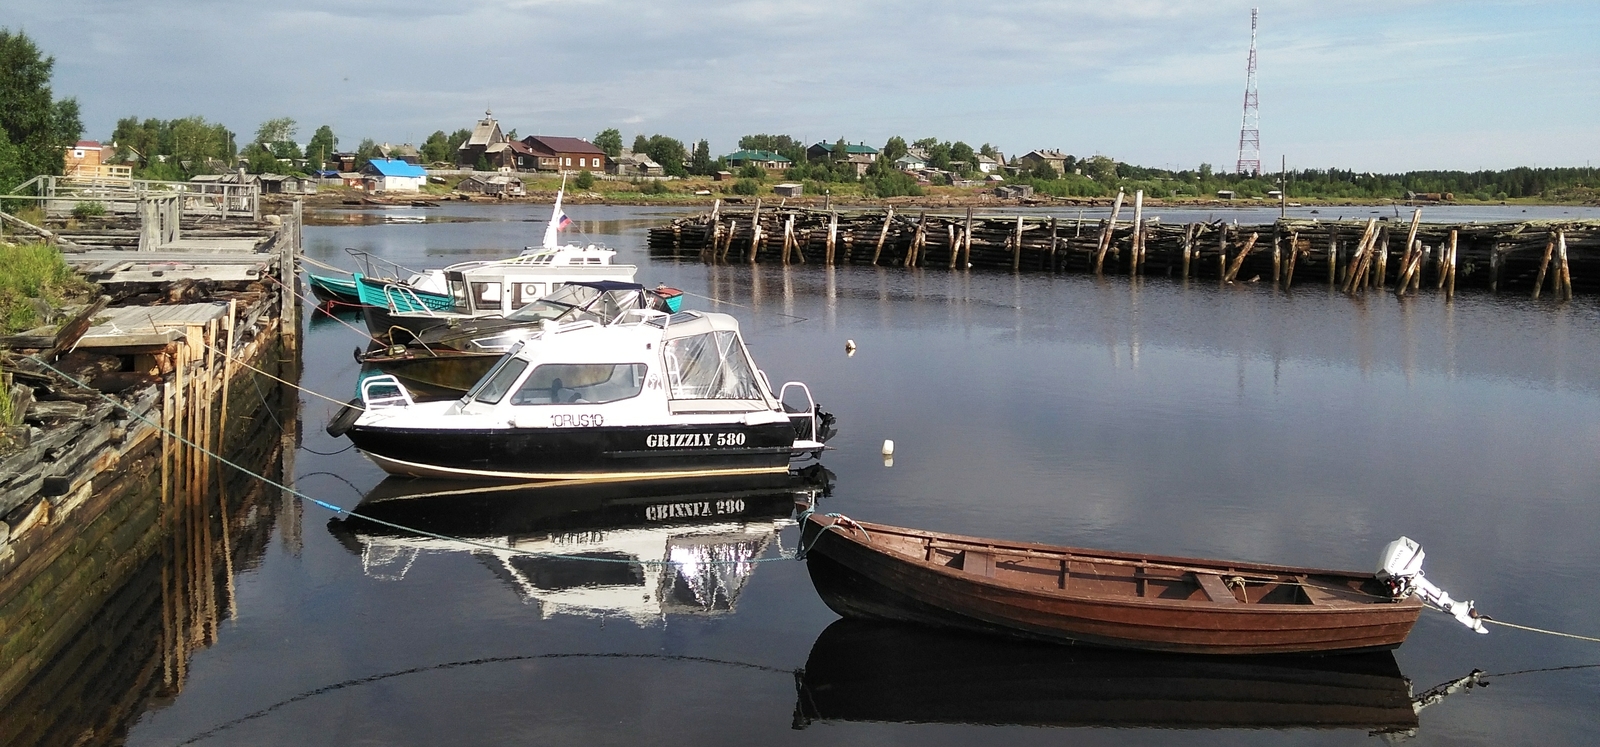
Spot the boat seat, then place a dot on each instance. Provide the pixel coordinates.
(1214, 589)
(978, 562)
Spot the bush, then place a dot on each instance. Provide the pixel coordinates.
(752, 171)
(33, 271)
(585, 180)
(746, 187)
(891, 184)
(88, 210)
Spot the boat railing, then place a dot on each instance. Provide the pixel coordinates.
(384, 390)
(377, 267)
(392, 291)
(643, 316)
(805, 421)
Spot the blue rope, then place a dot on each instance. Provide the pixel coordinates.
(373, 519)
(801, 549)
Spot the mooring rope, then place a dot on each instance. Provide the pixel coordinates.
(230, 357)
(392, 525)
(301, 296)
(1532, 629)
(359, 681)
(713, 299)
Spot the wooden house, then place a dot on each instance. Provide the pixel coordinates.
(1056, 159)
(629, 163)
(822, 151)
(493, 185)
(565, 153)
(390, 175)
(486, 133)
(766, 159)
(406, 152)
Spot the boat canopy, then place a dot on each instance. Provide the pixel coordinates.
(599, 301)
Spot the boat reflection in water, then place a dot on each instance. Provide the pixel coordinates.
(635, 550)
(870, 671)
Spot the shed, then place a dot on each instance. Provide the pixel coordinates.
(787, 189)
(1014, 191)
(722, 176)
(1224, 194)
(495, 185)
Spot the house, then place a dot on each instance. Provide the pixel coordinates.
(629, 163)
(766, 159)
(407, 153)
(787, 189)
(286, 184)
(825, 150)
(987, 165)
(342, 161)
(1055, 158)
(87, 159)
(565, 153)
(861, 162)
(486, 133)
(495, 185)
(911, 162)
(391, 175)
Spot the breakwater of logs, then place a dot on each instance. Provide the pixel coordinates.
(1403, 255)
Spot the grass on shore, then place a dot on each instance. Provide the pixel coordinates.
(32, 272)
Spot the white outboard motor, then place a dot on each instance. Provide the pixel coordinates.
(1400, 566)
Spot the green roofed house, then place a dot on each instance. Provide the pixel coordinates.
(825, 150)
(766, 159)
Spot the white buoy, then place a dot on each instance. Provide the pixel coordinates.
(888, 461)
(850, 346)
(888, 448)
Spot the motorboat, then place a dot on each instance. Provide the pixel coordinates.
(649, 396)
(447, 358)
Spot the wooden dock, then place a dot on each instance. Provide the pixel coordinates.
(1402, 255)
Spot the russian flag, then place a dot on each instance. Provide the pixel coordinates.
(563, 222)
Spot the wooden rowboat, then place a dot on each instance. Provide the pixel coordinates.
(1096, 597)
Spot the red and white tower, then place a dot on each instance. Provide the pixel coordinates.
(1250, 128)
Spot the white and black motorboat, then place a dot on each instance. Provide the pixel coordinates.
(650, 396)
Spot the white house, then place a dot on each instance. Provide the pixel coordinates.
(393, 175)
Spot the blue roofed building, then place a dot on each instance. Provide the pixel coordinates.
(393, 175)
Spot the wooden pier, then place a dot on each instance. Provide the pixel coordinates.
(1402, 255)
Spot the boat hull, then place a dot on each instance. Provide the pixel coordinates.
(858, 581)
(333, 290)
(605, 453)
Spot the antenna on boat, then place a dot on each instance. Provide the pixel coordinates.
(554, 225)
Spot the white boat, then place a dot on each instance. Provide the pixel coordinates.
(649, 396)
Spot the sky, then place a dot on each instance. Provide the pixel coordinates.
(1369, 86)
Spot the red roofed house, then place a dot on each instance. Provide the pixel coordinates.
(565, 154)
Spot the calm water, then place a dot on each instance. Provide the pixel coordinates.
(1307, 429)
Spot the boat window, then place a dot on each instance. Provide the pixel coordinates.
(526, 293)
(493, 387)
(710, 366)
(486, 295)
(581, 383)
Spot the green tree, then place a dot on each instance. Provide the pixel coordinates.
(988, 150)
(36, 126)
(640, 144)
(1043, 171)
(585, 180)
(437, 148)
(482, 164)
(746, 187)
(365, 152)
(610, 141)
(1205, 171)
(962, 152)
(275, 130)
(1099, 168)
(840, 152)
(261, 160)
(893, 150)
(752, 171)
(782, 145)
(323, 145)
(456, 140)
(195, 141)
(668, 152)
(700, 163)
(11, 173)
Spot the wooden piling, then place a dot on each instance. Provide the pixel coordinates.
(755, 231)
(1106, 233)
(833, 235)
(1233, 270)
(1544, 264)
(1016, 246)
(1138, 231)
(1053, 266)
(1188, 247)
(888, 217)
(1294, 251)
(1565, 286)
(1450, 285)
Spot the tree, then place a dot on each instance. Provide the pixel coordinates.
(640, 143)
(323, 144)
(1043, 171)
(840, 152)
(666, 151)
(1100, 168)
(437, 148)
(36, 126)
(610, 141)
(11, 173)
(962, 152)
(752, 171)
(585, 180)
(276, 130)
(700, 163)
(893, 149)
(987, 150)
(782, 145)
(1205, 171)
(457, 139)
(365, 152)
(259, 159)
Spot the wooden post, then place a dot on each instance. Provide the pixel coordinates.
(1450, 285)
(966, 242)
(1538, 280)
(1294, 250)
(833, 234)
(1138, 231)
(1564, 288)
(1233, 271)
(1382, 272)
(887, 217)
(1359, 261)
(1053, 266)
(755, 230)
(916, 241)
(788, 237)
(1494, 268)
(1333, 259)
(1016, 247)
(1105, 234)
(1277, 258)
(950, 233)
(1222, 254)
(1188, 247)
(708, 250)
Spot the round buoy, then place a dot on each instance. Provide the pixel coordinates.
(888, 448)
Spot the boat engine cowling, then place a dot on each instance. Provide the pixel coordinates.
(1400, 566)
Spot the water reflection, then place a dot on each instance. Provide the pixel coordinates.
(639, 551)
(861, 671)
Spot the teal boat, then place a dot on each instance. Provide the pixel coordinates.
(334, 290)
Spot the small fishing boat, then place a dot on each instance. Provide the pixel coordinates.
(862, 671)
(334, 290)
(650, 396)
(1124, 600)
(451, 356)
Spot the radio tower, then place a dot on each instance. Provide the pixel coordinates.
(1250, 129)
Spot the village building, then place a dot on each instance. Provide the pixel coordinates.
(1056, 159)
(861, 162)
(87, 160)
(389, 175)
(766, 159)
(286, 184)
(787, 189)
(629, 163)
(987, 165)
(821, 151)
(495, 185)
(407, 153)
(722, 176)
(565, 153)
(911, 162)
(485, 134)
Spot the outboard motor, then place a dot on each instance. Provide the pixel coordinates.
(1400, 567)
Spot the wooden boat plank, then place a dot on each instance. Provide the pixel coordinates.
(1215, 590)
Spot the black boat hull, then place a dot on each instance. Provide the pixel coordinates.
(604, 453)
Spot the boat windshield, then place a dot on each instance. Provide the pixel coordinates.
(571, 303)
(712, 365)
(580, 383)
(494, 385)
